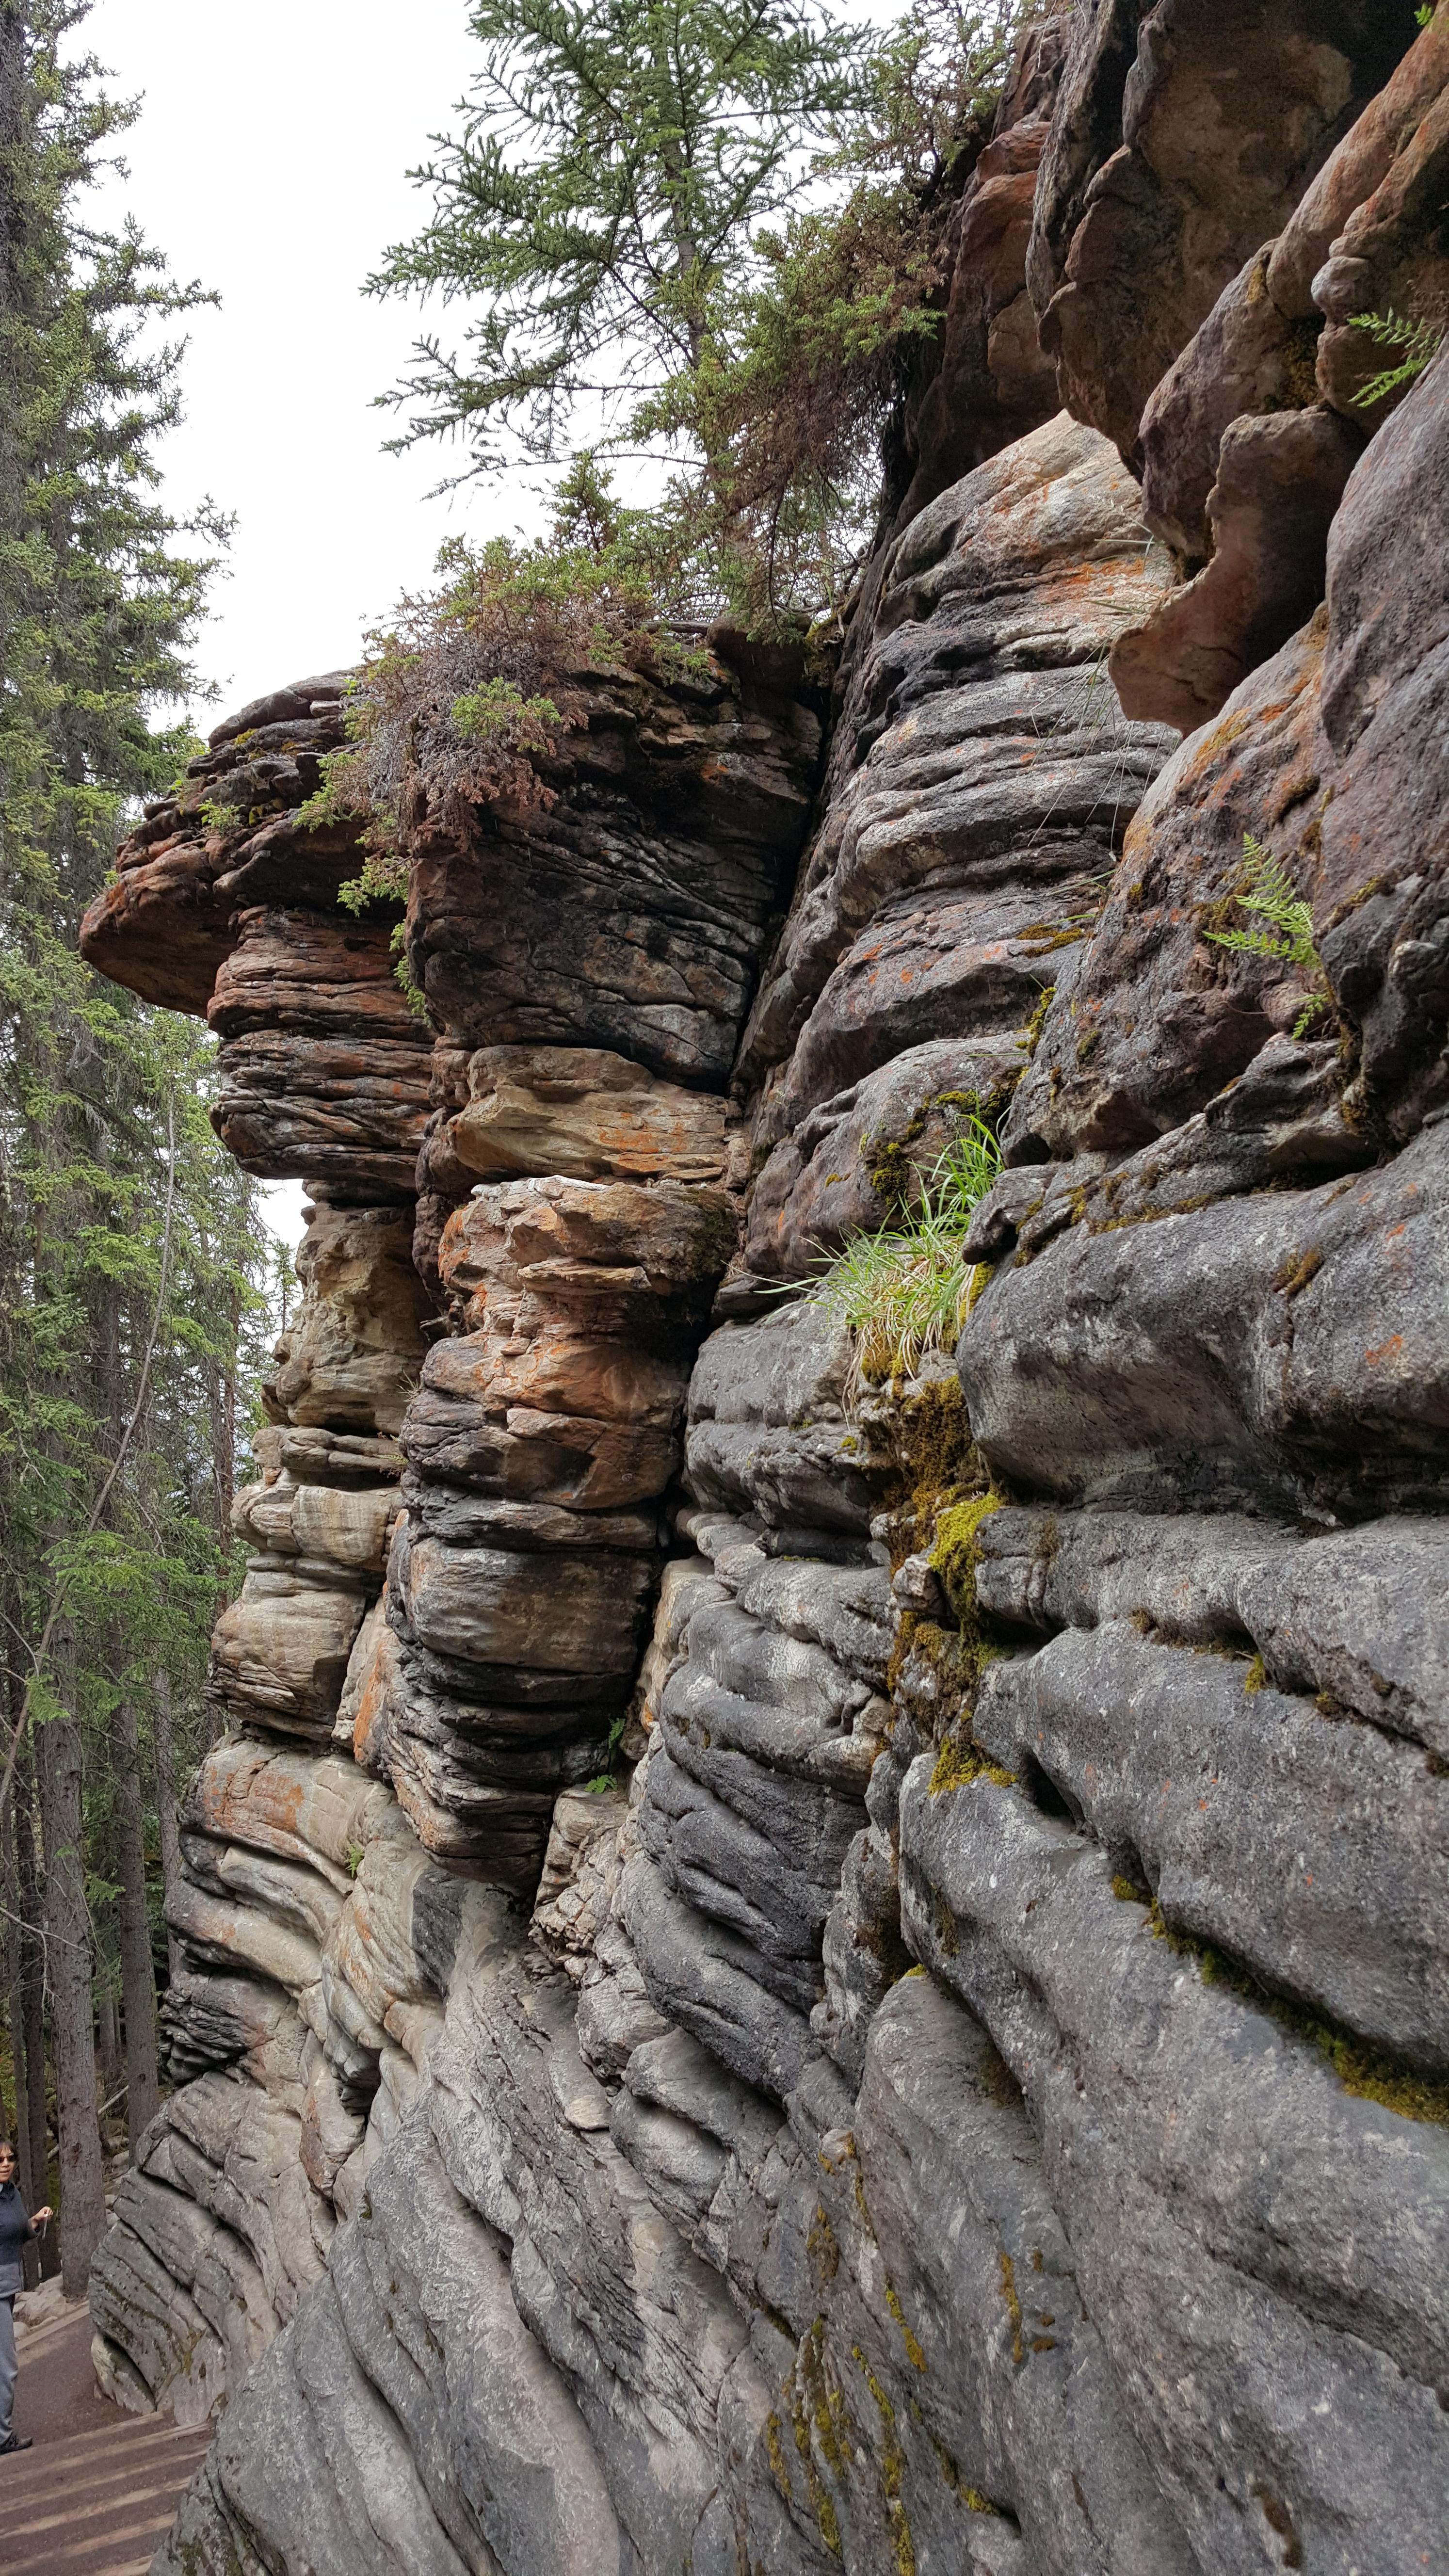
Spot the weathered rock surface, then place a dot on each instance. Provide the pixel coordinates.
(988, 381)
(629, 915)
(1327, 753)
(1185, 135)
(324, 1067)
(229, 839)
(446, 1659)
(984, 778)
(970, 2091)
(1249, 439)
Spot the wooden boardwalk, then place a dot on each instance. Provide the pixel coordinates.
(98, 2491)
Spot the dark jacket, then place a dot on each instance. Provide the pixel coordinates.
(15, 2234)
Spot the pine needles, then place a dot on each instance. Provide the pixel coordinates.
(906, 1291)
(1271, 894)
(1418, 340)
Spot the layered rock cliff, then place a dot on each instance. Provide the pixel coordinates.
(968, 2086)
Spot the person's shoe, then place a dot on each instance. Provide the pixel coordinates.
(17, 2442)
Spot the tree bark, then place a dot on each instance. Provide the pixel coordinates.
(68, 1944)
(19, 2128)
(15, 2016)
(108, 2029)
(166, 1801)
(138, 1982)
(32, 2001)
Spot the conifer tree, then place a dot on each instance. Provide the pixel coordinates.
(706, 230)
(124, 1231)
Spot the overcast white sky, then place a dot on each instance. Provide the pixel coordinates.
(269, 162)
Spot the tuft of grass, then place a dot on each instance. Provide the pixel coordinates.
(907, 1290)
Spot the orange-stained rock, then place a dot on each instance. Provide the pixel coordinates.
(351, 1358)
(459, 1428)
(582, 1112)
(301, 1806)
(226, 838)
(559, 1241)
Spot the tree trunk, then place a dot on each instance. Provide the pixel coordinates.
(166, 1802)
(108, 2029)
(68, 1941)
(32, 2000)
(19, 2129)
(138, 1983)
(15, 2016)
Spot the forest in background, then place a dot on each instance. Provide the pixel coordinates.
(133, 1262)
(739, 210)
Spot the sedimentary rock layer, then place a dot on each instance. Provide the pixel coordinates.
(456, 1546)
(849, 1973)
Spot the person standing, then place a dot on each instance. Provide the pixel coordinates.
(16, 2229)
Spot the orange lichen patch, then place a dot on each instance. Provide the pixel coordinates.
(1388, 1350)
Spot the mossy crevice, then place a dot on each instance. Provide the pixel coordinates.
(1369, 2072)
(893, 2469)
(956, 1555)
(914, 2353)
(1012, 2305)
(960, 1762)
(890, 1165)
(1031, 1034)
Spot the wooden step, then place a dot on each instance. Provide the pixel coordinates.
(95, 2502)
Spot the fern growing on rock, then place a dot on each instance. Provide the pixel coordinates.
(1271, 894)
(1418, 340)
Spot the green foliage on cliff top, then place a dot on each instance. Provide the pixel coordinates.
(716, 227)
(461, 701)
(716, 230)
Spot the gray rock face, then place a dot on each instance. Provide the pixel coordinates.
(984, 775)
(789, 1976)
(1195, 2142)
(1284, 1348)
(1183, 1776)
